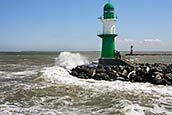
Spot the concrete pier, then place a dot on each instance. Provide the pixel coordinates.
(151, 54)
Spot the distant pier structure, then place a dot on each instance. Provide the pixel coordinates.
(131, 50)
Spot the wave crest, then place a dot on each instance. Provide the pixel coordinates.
(70, 60)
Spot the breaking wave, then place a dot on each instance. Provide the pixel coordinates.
(52, 90)
(160, 97)
(70, 60)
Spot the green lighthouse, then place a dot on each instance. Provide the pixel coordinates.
(108, 35)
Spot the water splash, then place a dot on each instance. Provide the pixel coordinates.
(70, 60)
(141, 98)
(143, 92)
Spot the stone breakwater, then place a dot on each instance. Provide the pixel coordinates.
(160, 74)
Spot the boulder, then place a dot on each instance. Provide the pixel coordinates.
(112, 74)
(160, 74)
(158, 79)
(100, 69)
(120, 78)
(168, 77)
(74, 73)
(101, 76)
(125, 74)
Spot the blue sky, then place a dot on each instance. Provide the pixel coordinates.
(69, 25)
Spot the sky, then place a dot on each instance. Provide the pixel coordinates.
(73, 25)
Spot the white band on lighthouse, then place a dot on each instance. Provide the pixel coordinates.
(108, 26)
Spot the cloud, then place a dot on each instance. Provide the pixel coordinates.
(125, 40)
(152, 40)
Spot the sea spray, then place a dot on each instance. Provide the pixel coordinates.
(141, 94)
(144, 98)
(57, 92)
(70, 60)
(60, 73)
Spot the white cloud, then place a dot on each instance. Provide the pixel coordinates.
(152, 40)
(125, 40)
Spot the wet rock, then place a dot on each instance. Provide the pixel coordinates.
(165, 82)
(112, 74)
(102, 76)
(160, 74)
(130, 75)
(124, 74)
(93, 73)
(82, 76)
(100, 69)
(74, 73)
(168, 77)
(158, 78)
(120, 78)
(136, 78)
(168, 70)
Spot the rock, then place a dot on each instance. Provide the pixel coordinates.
(112, 74)
(84, 69)
(133, 77)
(106, 77)
(129, 69)
(168, 77)
(116, 68)
(147, 69)
(149, 78)
(74, 73)
(124, 73)
(165, 82)
(121, 67)
(120, 78)
(100, 69)
(136, 78)
(158, 79)
(163, 67)
(81, 75)
(129, 76)
(93, 73)
(168, 69)
(102, 76)
(160, 74)
(108, 68)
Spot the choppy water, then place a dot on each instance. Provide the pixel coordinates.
(39, 84)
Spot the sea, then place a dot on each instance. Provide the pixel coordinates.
(39, 83)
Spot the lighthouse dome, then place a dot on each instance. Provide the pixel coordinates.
(108, 6)
(109, 11)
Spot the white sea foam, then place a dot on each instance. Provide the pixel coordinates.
(135, 109)
(60, 75)
(35, 110)
(23, 73)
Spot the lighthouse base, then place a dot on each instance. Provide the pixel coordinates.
(106, 61)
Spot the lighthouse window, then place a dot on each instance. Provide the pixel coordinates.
(109, 11)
